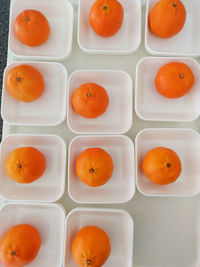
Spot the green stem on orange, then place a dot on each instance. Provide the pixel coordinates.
(89, 262)
(105, 7)
(18, 79)
(26, 19)
(89, 94)
(92, 170)
(168, 165)
(20, 165)
(174, 5)
(13, 253)
(181, 76)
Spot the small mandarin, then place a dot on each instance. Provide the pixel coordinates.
(91, 247)
(106, 17)
(25, 164)
(94, 167)
(162, 165)
(174, 80)
(167, 18)
(19, 246)
(24, 83)
(90, 100)
(32, 28)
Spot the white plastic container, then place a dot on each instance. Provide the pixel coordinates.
(49, 220)
(121, 186)
(49, 109)
(186, 143)
(118, 224)
(125, 41)
(51, 185)
(150, 105)
(118, 117)
(60, 16)
(185, 43)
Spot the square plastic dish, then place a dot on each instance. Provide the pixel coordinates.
(150, 105)
(118, 225)
(49, 220)
(120, 188)
(185, 43)
(125, 41)
(51, 185)
(49, 109)
(118, 117)
(186, 143)
(60, 16)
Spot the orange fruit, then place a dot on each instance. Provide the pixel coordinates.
(25, 165)
(19, 246)
(24, 83)
(162, 166)
(167, 18)
(90, 100)
(106, 17)
(174, 80)
(94, 166)
(32, 28)
(91, 247)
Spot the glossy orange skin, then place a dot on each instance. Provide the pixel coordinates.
(162, 166)
(32, 28)
(23, 241)
(167, 18)
(24, 83)
(91, 247)
(97, 160)
(25, 165)
(90, 100)
(106, 17)
(174, 80)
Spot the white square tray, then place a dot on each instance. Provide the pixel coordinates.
(40, 111)
(126, 41)
(186, 143)
(116, 223)
(167, 229)
(150, 105)
(121, 186)
(60, 16)
(48, 220)
(117, 119)
(51, 185)
(185, 43)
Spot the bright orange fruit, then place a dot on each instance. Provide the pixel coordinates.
(25, 165)
(162, 166)
(167, 18)
(91, 247)
(32, 28)
(24, 83)
(19, 246)
(106, 17)
(90, 100)
(94, 167)
(174, 80)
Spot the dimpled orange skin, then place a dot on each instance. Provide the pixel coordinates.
(162, 166)
(25, 164)
(174, 80)
(32, 28)
(167, 18)
(106, 17)
(90, 100)
(19, 246)
(24, 83)
(94, 167)
(91, 247)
